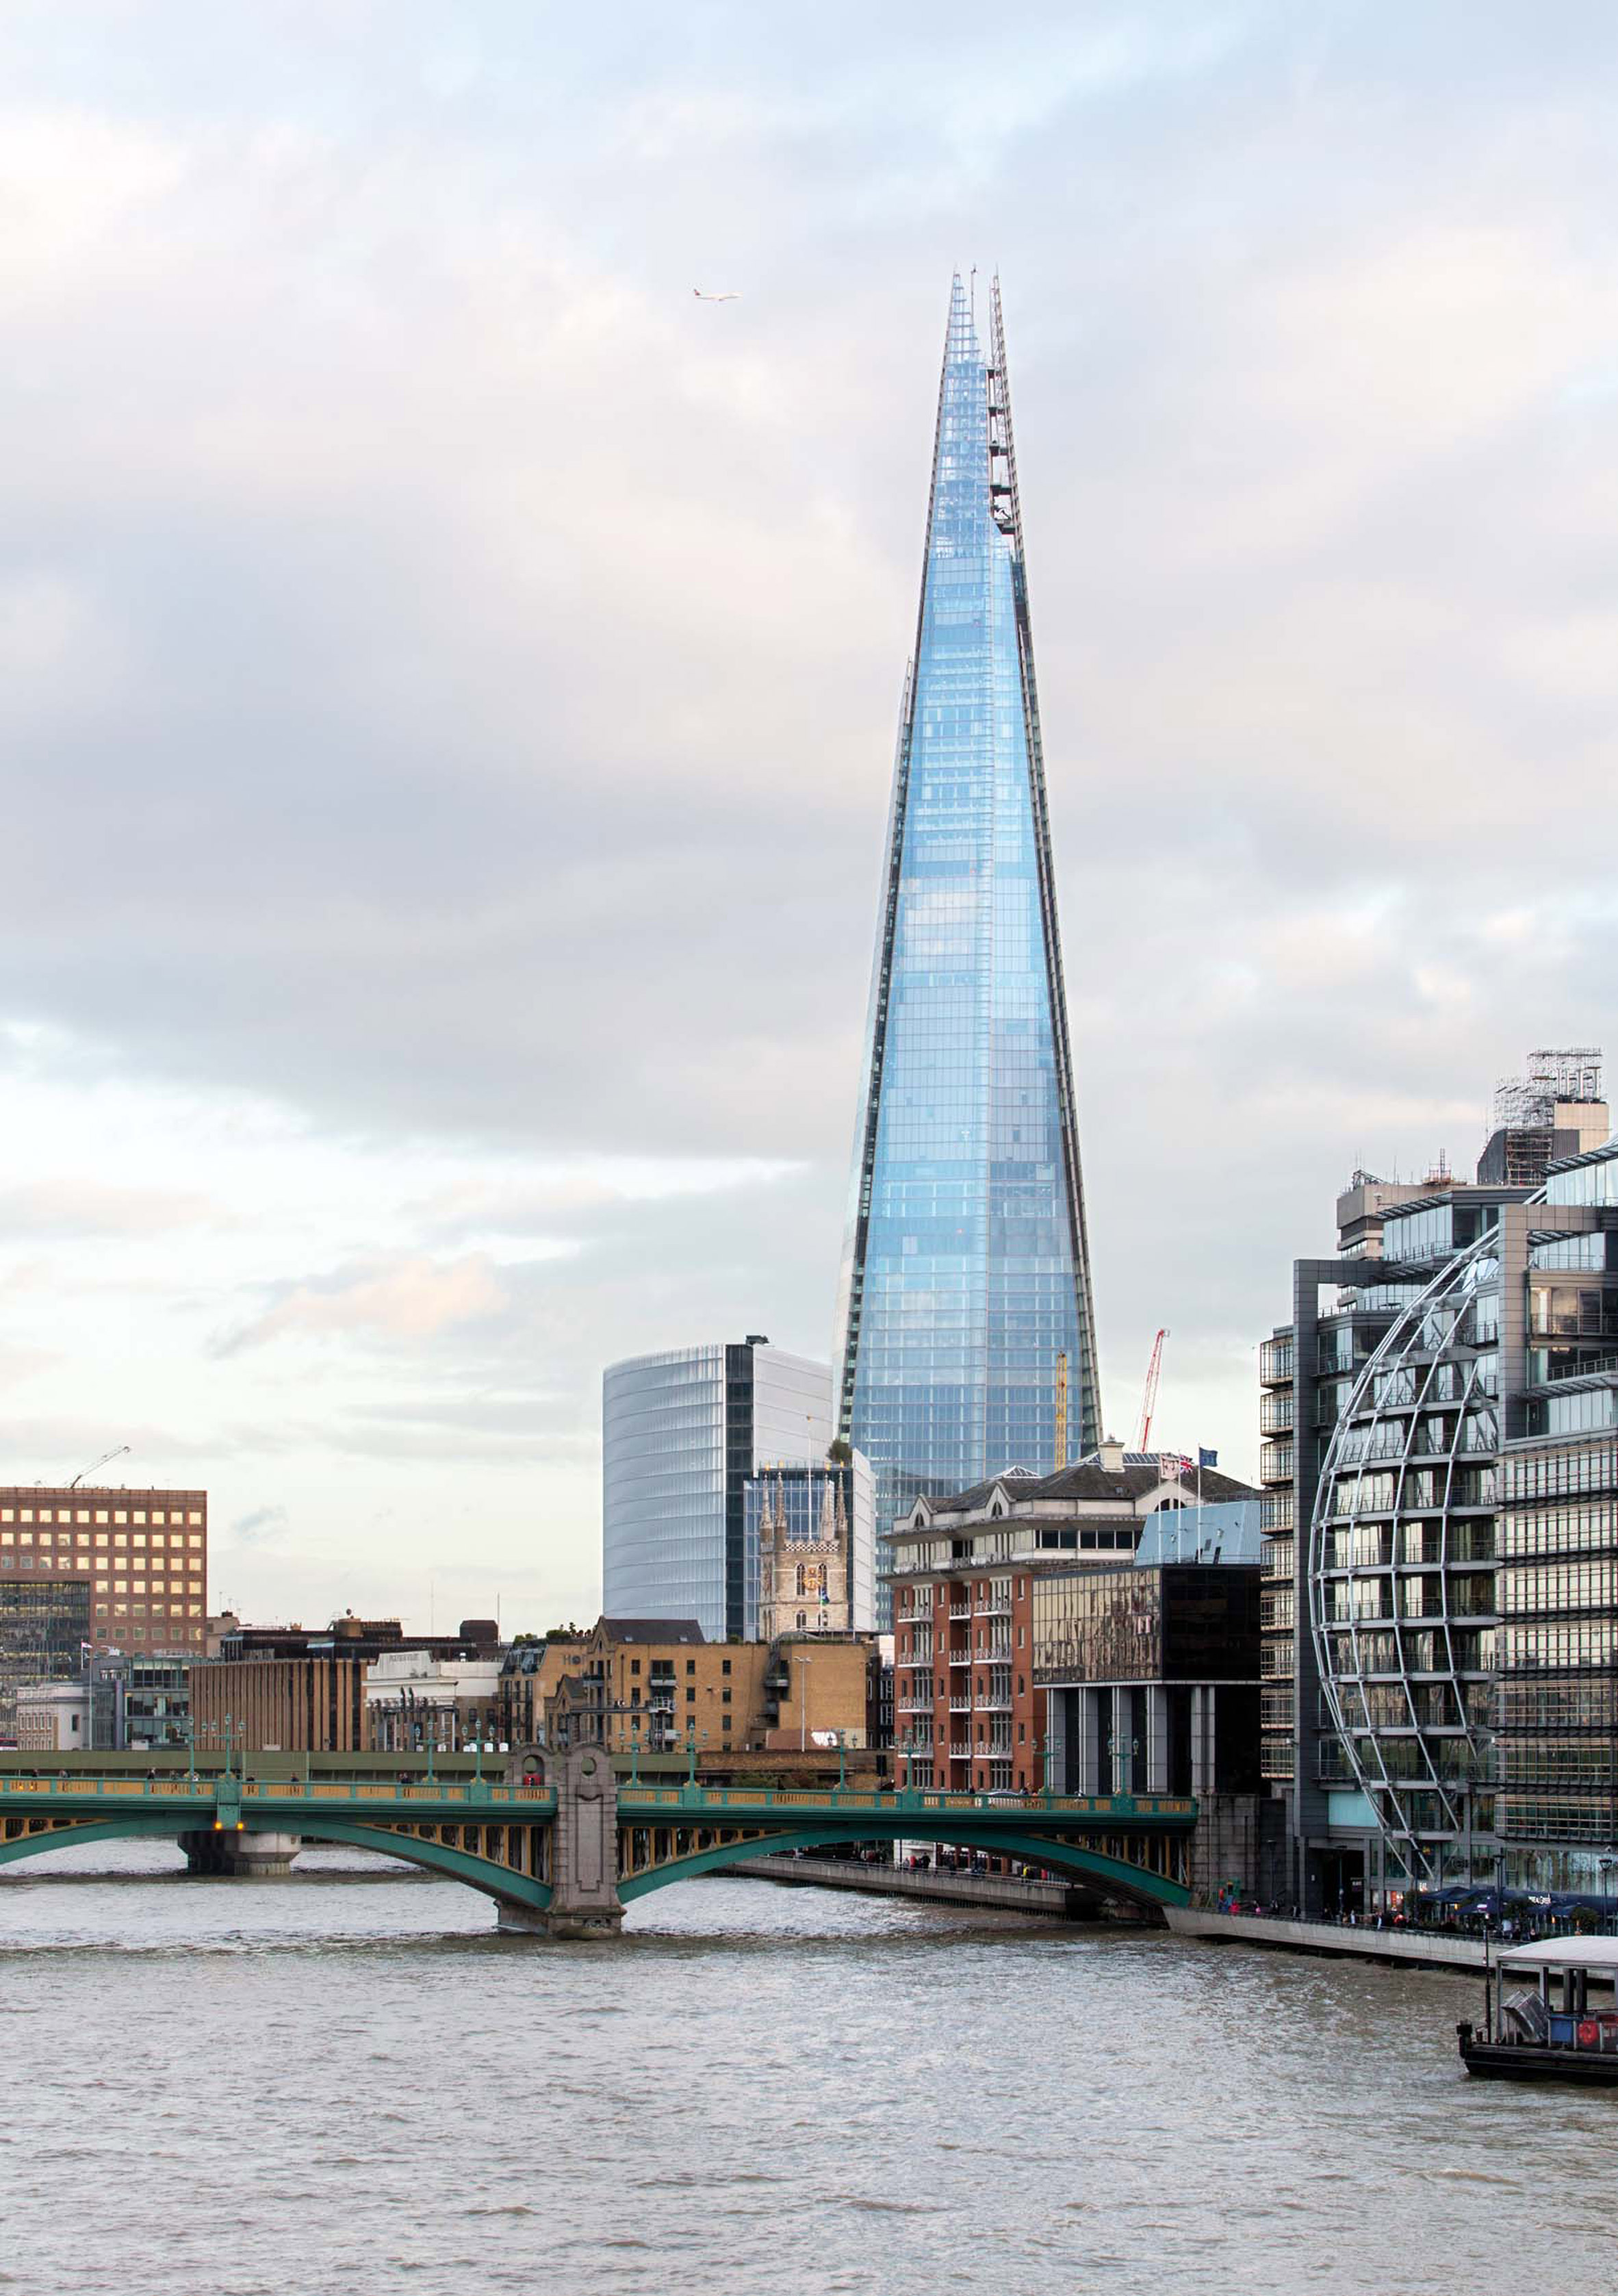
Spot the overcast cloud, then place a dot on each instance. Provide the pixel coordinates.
(448, 677)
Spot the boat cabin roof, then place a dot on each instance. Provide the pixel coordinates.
(1563, 1953)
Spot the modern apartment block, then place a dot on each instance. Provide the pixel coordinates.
(1440, 1555)
(683, 1434)
(971, 1584)
(966, 1330)
(89, 1571)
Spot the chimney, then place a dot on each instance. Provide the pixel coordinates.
(1111, 1454)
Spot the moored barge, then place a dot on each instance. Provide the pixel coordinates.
(1537, 2037)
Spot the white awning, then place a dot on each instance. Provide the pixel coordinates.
(1563, 1953)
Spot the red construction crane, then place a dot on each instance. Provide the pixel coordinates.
(1150, 1402)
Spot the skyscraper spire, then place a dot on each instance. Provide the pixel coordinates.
(966, 1268)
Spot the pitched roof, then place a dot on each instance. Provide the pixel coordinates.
(1089, 1480)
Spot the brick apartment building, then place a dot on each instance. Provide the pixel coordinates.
(659, 1683)
(968, 1715)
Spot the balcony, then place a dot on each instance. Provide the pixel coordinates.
(1275, 1463)
(1275, 1414)
(997, 1606)
(961, 1609)
(997, 1701)
(959, 1705)
(965, 1657)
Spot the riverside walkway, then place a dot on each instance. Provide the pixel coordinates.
(1001, 1893)
(1435, 1948)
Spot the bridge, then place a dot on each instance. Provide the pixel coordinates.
(562, 1843)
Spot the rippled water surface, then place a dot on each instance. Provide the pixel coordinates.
(347, 2082)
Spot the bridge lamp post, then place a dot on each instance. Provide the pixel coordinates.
(1123, 1751)
(691, 1740)
(802, 1708)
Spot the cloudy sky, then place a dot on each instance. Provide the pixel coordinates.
(448, 679)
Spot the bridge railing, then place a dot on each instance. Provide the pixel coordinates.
(183, 1787)
(917, 1803)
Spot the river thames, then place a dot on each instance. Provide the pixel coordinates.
(347, 2081)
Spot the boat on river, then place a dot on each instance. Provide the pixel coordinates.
(1545, 2027)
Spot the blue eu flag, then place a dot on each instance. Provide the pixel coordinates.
(1207, 1458)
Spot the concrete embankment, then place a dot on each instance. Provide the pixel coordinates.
(1001, 1891)
(1435, 1951)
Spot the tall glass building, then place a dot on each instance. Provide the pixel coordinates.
(965, 1304)
(683, 1434)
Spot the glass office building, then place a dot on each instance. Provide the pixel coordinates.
(682, 1433)
(45, 1633)
(966, 1290)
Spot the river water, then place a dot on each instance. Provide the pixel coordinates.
(347, 2081)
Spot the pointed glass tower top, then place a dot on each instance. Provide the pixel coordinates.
(966, 1279)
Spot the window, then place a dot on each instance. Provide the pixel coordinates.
(726, 1697)
(191, 1517)
(690, 1666)
(634, 1666)
(100, 1515)
(82, 1516)
(690, 1694)
(724, 1666)
(120, 1515)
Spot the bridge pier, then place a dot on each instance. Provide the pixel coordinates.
(240, 1856)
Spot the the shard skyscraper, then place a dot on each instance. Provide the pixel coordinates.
(967, 1336)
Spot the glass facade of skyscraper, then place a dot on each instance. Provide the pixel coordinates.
(682, 1434)
(966, 1279)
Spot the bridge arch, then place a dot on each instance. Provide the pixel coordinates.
(1111, 1876)
(501, 1882)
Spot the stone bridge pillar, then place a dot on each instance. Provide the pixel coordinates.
(230, 1852)
(583, 1849)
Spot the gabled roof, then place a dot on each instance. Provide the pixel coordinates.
(1087, 1480)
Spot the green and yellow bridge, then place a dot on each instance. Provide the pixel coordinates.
(562, 1842)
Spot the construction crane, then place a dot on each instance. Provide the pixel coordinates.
(1062, 1411)
(116, 1452)
(1150, 1401)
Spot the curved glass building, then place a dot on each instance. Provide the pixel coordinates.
(1463, 1549)
(966, 1330)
